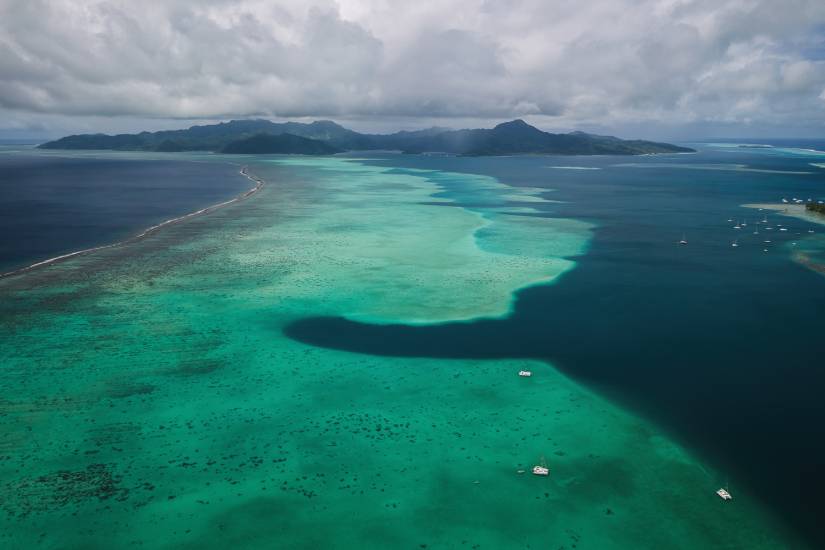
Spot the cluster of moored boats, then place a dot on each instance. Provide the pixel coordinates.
(739, 226)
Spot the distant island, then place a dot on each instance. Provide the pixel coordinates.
(325, 137)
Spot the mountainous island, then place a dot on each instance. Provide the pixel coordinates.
(288, 144)
(325, 137)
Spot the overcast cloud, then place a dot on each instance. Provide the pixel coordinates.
(646, 66)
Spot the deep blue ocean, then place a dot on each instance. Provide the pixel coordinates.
(721, 346)
(52, 205)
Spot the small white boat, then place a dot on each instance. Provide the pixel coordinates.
(810, 231)
(724, 494)
(783, 228)
(525, 373)
(684, 239)
(734, 243)
(541, 469)
(785, 201)
(767, 241)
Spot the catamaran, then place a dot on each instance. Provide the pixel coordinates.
(541, 469)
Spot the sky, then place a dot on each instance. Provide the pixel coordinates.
(676, 69)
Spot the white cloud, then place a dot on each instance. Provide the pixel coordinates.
(564, 63)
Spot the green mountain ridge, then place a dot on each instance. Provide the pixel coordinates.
(284, 144)
(509, 138)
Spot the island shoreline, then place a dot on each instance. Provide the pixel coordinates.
(798, 211)
(244, 171)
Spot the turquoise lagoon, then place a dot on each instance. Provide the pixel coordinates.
(150, 397)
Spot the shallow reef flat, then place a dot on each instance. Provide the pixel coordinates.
(809, 250)
(151, 399)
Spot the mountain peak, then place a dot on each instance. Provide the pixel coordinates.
(326, 124)
(517, 124)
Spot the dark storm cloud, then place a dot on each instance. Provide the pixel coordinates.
(607, 62)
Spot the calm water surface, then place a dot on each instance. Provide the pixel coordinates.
(173, 370)
(51, 204)
(715, 343)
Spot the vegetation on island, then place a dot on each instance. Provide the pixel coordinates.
(510, 138)
(284, 144)
(817, 207)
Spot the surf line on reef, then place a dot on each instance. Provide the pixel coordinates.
(244, 171)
